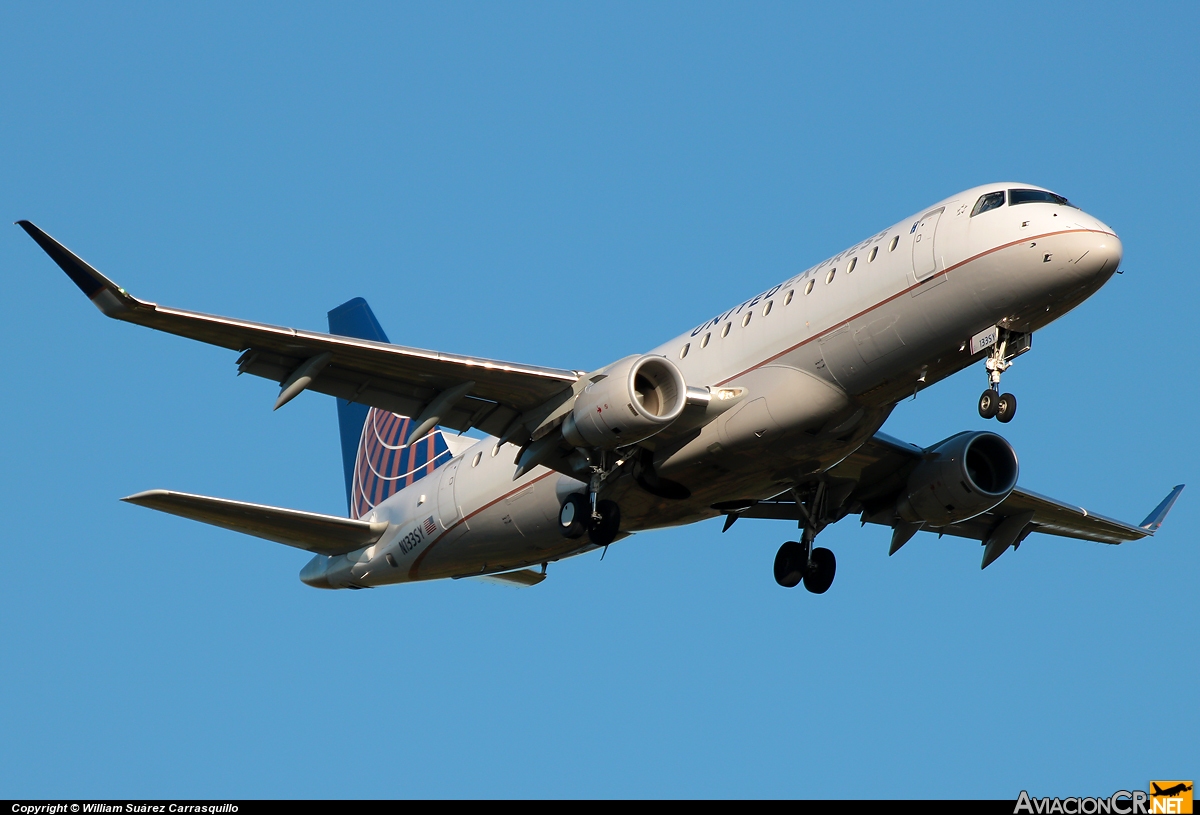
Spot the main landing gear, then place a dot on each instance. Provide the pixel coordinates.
(992, 403)
(576, 518)
(798, 561)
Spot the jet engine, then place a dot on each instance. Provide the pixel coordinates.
(964, 476)
(625, 403)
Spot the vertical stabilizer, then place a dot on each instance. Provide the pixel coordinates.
(376, 458)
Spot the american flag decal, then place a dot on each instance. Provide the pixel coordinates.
(388, 460)
(430, 526)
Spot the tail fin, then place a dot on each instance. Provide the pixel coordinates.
(376, 459)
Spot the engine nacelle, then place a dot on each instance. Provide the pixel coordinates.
(629, 401)
(971, 473)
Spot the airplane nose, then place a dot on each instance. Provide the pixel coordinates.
(1109, 248)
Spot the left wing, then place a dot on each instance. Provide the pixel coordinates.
(499, 398)
(880, 468)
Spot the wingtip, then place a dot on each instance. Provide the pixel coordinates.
(139, 497)
(1155, 519)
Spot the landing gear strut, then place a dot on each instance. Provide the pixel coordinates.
(798, 561)
(992, 403)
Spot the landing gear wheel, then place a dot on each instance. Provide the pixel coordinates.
(989, 404)
(819, 576)
(604, 531)
(789, 564)
(1006, 407)
(573, 516)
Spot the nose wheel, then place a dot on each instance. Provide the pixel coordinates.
(999, 406)
(992, 403)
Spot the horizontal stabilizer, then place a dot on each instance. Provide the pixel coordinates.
(1154, 519)
(519, 579)
(311, 531)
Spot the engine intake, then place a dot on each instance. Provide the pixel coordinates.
(965, 476)
(627, 402)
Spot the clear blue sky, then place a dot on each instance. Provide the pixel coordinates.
(564, 184)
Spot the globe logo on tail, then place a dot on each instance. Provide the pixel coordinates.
(388, 461)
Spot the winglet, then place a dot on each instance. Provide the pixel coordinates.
(1155, 518)
(107, 295)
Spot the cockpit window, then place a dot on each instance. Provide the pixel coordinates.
(1036, 197)
(989, 201)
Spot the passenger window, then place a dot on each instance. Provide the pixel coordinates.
(829, 277)
(725, 330)
(767, 307)
(808, 288)
(683, 351)
(746, 319)
(991, 200)
(895, 241)
(475, 461)
(704, 342)
(853, 263)
(874, 252)
(788, 299)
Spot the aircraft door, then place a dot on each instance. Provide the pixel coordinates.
(924, 260)
(448, 511)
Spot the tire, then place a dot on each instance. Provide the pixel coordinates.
(789, 565)
(820, 577)
(989, 403)
(605, 531)
(1006, 408)
(573, 516)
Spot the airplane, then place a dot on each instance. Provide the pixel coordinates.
(770, 409)
(1170, 792)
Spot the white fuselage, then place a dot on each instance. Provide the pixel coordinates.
(824, 356)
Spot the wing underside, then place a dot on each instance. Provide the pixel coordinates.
(879, 469)
(463, 392)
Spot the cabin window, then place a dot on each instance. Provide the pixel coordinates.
(704, 342)
(1034, 197)
(874, 252)
(829, 277)
(788, 297)
(683, 351)
(895, 241)
(746, 319)
(475, 461)
(767, 307)
(808, 288)
(853, 263)
(991, 200)
(725, 330)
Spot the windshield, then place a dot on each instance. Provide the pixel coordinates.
(991, 200)
(1036, 197)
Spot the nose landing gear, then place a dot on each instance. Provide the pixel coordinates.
(992, 403)
(999, 406)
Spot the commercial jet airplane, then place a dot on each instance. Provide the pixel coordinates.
(770, 409)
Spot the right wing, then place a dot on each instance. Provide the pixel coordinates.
(499, 398)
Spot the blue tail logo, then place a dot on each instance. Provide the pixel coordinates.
(385, 465)
(378, 458)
